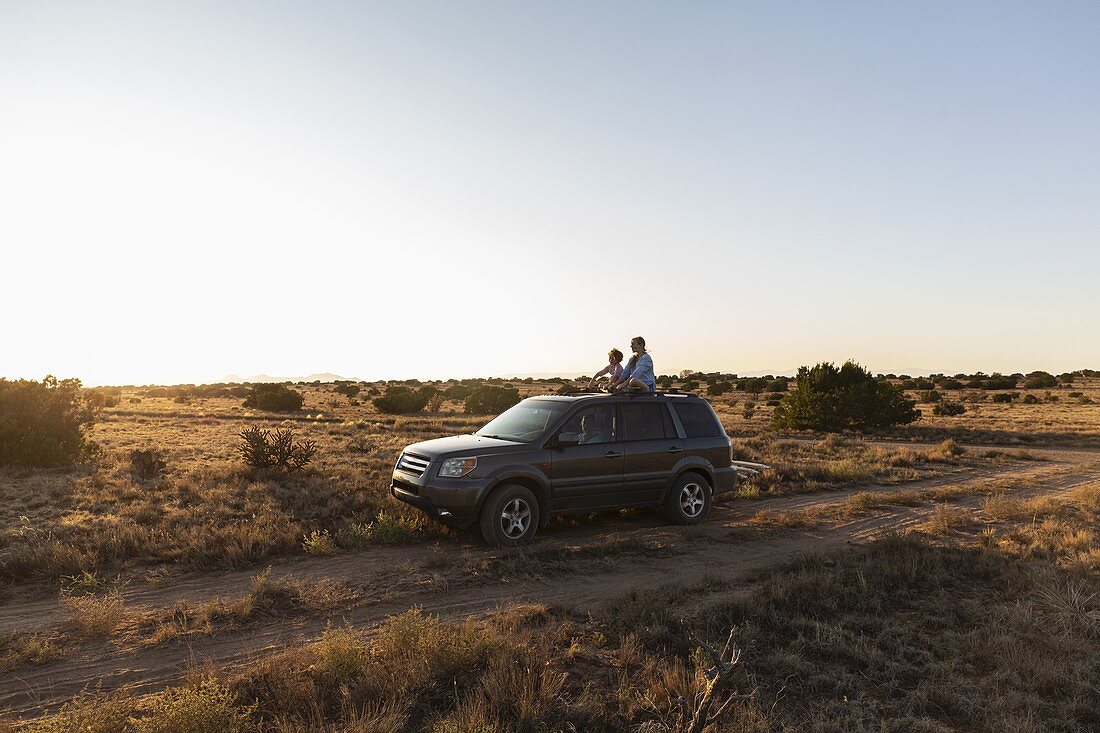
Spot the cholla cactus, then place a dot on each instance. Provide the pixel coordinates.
(146, 465)
(262, 449)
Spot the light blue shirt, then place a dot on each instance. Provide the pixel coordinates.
(643, 370)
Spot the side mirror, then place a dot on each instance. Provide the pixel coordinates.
(565, 439)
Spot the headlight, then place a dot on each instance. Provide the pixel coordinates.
(457, 467)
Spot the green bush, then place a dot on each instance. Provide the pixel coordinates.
(263, 449)
(931, 396)
(274, 398)
(349, 390)
(1040, 380)
(1005, 397)
(1030, 399)
(460, 392)
(403, 400)
(44, 423)
(491, 400)
(848, 398)
(949, 409)
(715, 389)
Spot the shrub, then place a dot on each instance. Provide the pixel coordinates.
(1005, 397)
(1030, 399)
(949, 409)
(748, 410)
(262, 449)
(715, 389)
(931, 396)
(43, 423)
(460, 392)
(1040, 380)
(93, 616)
(274, 398)
(146, 465)
(403, 400)
(949, 383)
(98, 399)
(320, 543)
(349, 390)
(203, 707)
(782, 384)
(832, 399)
(491, 400)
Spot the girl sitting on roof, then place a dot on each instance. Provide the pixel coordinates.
(638, 373)
(613, 370)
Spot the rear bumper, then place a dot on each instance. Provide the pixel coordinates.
(725, 480)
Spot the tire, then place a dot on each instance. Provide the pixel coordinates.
(510, 516)
(689, 501)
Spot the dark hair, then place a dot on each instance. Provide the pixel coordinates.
(639, 338)
(616, 356)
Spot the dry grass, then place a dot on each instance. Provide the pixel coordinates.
(93, 617)
(19, 650)
(209, 512)
(267, 597)
(899, 634)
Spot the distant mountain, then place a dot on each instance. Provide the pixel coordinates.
(261, 378)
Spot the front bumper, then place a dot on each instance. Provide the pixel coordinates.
(451, 501)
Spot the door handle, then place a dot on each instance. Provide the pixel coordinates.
(675, 449)
(612, 454)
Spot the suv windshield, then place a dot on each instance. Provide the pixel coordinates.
(524, 422)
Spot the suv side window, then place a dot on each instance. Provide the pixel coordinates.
(697, 419)
(595, 424)
(647, 421)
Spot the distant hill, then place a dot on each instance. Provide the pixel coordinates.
(261, 378)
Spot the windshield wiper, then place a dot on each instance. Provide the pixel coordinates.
(501, 437)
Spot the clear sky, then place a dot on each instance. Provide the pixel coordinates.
(410, 189)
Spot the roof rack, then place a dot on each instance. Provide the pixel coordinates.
(630, 393)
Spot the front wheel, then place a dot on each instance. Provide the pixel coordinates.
(689, 501)
(510, 516)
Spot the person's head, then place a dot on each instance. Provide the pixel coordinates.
(637, 345)
(614, 357)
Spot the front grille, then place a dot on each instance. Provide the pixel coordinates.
(406, 486)
(414, 464)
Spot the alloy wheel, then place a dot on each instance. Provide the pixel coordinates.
(515, 518)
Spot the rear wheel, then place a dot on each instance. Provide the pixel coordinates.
(689, 501)
(510, 516)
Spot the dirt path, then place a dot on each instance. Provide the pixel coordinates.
(437, 578)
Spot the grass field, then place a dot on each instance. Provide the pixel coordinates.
(969, 603)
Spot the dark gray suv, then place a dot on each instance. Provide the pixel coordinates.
(563, 454)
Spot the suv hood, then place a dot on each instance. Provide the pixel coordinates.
(456, 445)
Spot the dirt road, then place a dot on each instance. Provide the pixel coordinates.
(458, 579)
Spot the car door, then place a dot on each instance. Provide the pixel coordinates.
(653, 450)
(588, 475)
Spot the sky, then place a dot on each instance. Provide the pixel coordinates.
(440, 189)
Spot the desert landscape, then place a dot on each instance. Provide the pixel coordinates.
(549, 367)
(937, 575)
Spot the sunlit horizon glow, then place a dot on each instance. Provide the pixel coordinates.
(439, 190)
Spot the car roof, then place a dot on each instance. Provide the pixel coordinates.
(577, 396)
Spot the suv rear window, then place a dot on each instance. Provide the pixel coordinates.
(647, 421)
(697, 418)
